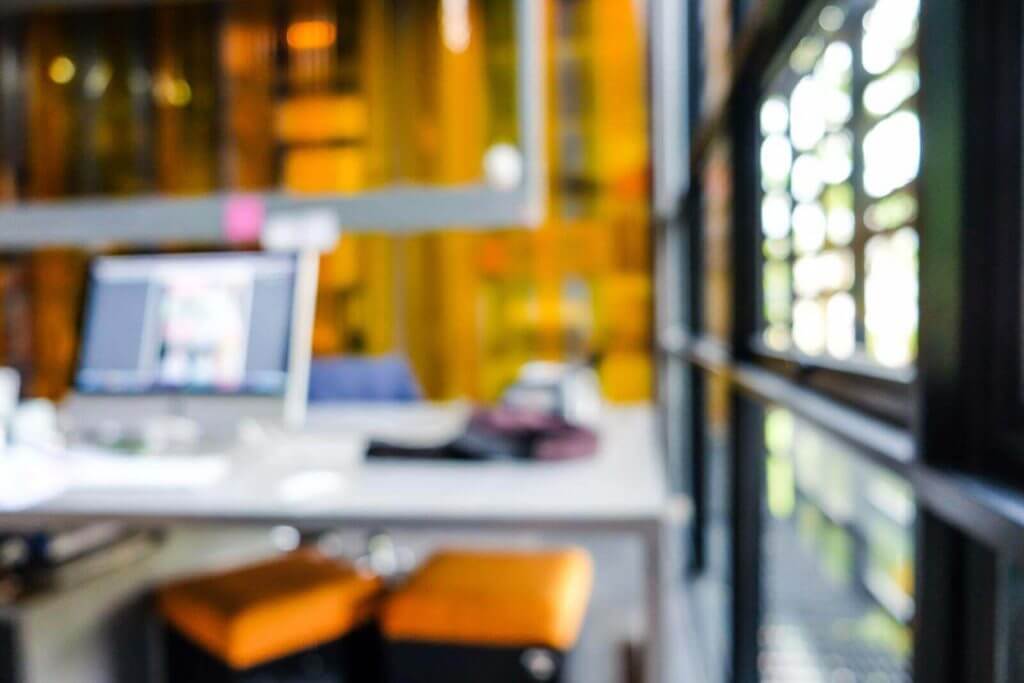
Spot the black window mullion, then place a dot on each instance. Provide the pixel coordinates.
(698, 471)
(860, 127)
(940, 423)
(746, 234)
(747, 509)
(694, 205)
(939, 643)
(939, 407)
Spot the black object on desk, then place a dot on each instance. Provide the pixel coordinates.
(501, 434)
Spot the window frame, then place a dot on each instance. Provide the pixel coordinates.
(939, 429)
(994, 367)
(881, 391)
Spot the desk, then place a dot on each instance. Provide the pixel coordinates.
(622, 490)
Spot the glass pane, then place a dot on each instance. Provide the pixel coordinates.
(309, 97)
(713, 589)
(838, 567)
(743, 10)
(839, 157)
(716, 24)
(1012, 656)
(717, 241)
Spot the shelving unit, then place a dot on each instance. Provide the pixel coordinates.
(149, 220)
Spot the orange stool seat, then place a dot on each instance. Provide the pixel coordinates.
(465, 613)
(252, 615)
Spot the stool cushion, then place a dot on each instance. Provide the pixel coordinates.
(495, 599)
(258, 613)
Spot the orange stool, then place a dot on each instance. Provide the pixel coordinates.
(501, 617)
(301, 617)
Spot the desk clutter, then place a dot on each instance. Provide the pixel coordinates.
(462, 617)
(503, 434)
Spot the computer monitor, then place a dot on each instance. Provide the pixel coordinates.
(187, 327)
(194, 324)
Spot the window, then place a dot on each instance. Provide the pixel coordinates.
(742, 11)
(713, 476)
(716, 238)
(839, 156)
(715, 26)
(1011, 664)
(837, 560)
(867, 142)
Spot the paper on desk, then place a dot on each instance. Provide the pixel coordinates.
(27, 479)
(96, 469)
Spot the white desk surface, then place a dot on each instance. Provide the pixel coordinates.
(313, 480)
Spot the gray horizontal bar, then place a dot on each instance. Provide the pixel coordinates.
(985, 510)
(42, 518)
(887, 445)
(156, 220)
(858, 365)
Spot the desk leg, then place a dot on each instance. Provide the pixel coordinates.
(654, 572)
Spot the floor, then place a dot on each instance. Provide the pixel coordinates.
(616, 618)
(106, 638)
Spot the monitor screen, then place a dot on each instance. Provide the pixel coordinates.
(194, 323)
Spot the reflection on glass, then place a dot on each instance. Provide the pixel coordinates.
(831, 18)
(841, 313)
(895, 211)
(807, 109)
(842, 221)
(836, 154)
(806, 54)
(835, 63)
(837, 561)
(842, 224)
(886, 94)
(777, 292)
(713, 588)
(716, 35)
(890, 28)
(1012, 607)
(808, 179)
(809, 326)
(853, 286)
(717, 275)
(774, 116)
(890, 296)
(775, 215)
(809, 226)
(892, 154)
(776, 161)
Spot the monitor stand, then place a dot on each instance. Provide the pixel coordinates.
(163, 424)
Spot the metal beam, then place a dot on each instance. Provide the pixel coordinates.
(155, 220)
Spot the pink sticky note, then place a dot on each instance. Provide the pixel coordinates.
(243, 218)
